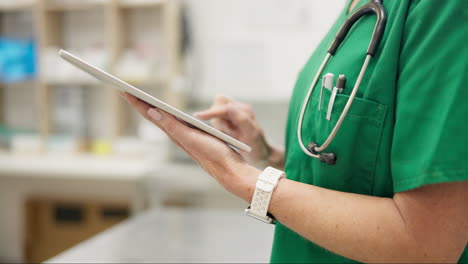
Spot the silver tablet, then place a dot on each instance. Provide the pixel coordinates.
(125, 87)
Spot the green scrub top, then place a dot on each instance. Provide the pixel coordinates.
(406, 128)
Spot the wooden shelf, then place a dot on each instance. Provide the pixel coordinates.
(18, 84)
(19, 6)
(157, 81)
(141, 3)
(71, 82)
(76, 5)
(74, 166)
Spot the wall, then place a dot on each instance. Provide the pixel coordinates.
(253, 50)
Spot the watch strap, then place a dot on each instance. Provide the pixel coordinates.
(266, 184)
(260, 202)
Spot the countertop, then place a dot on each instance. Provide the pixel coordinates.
(178, 235)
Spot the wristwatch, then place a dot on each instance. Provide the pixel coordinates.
(266, 184)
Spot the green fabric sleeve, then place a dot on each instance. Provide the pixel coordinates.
(430, 143)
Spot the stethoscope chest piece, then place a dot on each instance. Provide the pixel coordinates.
(329, 158)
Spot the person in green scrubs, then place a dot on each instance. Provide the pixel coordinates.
(399, 189)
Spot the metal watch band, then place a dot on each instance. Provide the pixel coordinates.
(267, 182)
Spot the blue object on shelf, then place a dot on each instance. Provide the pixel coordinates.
(17, 60)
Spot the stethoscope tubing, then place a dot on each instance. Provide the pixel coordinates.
(304, 107)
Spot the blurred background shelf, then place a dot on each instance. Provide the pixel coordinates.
(139, 41)
(75, 166)
(74, 5)
(19, 84)
(107, 30)
(141, 3)
(70, 82)
(20, 5)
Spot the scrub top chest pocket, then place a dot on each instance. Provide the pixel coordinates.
(356, 144)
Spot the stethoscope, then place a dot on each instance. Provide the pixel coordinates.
(373, 7)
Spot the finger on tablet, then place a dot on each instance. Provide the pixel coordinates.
(222, 99)
(214, 112)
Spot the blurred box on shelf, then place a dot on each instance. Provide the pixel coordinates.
(133, 147)
(126, 147)
(101, 147)
(26, 144)
(17, 60)
(54, 70)
(134, 68)
(138, 3)
(70, 110)
(179, 88)
(63, 145)
(5, 137)
(141, 65)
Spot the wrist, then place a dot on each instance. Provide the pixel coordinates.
(266, 184)
(270, 155)
(276, 157)
(244, 186)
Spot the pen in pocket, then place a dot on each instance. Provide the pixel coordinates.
(327, 82)
(340, 85)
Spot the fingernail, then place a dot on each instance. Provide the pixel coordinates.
(155, 114)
